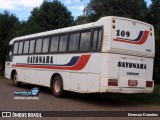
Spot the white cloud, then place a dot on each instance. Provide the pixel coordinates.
(17, 4)
(77, 1)
(68, 1)
(76, 7)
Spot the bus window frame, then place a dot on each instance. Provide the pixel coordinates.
(22, 47)
(42, 37)
(34, 46)
(101, 40)
(28, 47)
(74, 32)
(91, 29)
(62, 34)
(49, 37)
(54, 35)
(14, 48)
(83, 31)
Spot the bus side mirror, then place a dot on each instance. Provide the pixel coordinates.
(11, 49)
(9, 53)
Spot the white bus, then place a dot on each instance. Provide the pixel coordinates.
(113, 54)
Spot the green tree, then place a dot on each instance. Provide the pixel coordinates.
(136, 9)
(7, 23)
(81, 20)
(154, 15)
(49, 16)
(154, 11)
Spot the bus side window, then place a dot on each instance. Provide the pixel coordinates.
(39, 45)
(95, 38)
(31, 47)
(26, 47)
(99, 39)
(45, 45)
(63, 43)
(74, 41)
(54, 44)
(15, 50)
(20, 48)
(85, 41)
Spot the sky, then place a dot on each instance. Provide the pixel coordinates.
(22, 8)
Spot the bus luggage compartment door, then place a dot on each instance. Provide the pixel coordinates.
(132, 72)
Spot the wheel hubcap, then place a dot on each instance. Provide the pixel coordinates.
(57, 86)
(15, 78)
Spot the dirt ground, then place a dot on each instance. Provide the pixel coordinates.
(73, 102)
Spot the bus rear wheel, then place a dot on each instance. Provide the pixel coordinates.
(57, 87)
(15, 80)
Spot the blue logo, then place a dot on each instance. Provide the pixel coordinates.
(35, 91)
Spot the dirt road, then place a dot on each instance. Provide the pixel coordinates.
(73, 102)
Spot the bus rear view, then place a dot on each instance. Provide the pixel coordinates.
(128, 50)
(113, 54)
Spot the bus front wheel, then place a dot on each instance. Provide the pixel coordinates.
(15, 80)
(57, 87)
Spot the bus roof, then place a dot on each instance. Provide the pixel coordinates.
(52, 32)
(73, 28)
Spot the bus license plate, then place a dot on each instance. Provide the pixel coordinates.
(132, 83)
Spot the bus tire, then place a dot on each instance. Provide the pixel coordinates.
(57, 87)
(15, 82)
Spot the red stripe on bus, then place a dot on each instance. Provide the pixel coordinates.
(144, 38)
(78, 66)
(140, 42)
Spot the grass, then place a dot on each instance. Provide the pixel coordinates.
(149, 98)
